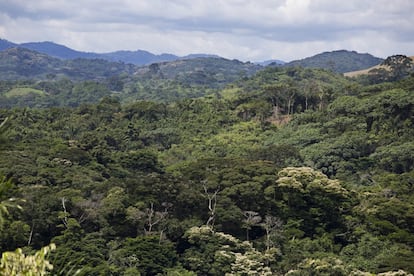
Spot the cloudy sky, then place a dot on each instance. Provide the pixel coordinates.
(243, 29)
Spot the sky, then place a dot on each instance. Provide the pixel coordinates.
(248, 30)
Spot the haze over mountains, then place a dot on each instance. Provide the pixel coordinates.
(48, 60)
(339, 61)
(138, 57)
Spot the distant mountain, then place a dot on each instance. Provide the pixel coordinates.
(191, 56)
(22, 63)
(271, 62)
(211, 72)
(4, 44)
(57, 50)
(138, 57)
(164, 81)
(338, 61)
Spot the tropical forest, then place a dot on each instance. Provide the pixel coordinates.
(206, 166)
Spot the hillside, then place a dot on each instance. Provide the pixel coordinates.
(365, 71)
(338, 61)
(289, 171)
(165, 82)
(393, 68)
(4, 44)
(207, 71)
(22, 63)
(271, 62)
(184, 79)
(18, 63)
(138, 57)
(56, 50)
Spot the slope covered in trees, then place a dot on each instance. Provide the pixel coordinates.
(24, 64)
(138, 57)
(340, 61)
(31, 79)
(290, 171)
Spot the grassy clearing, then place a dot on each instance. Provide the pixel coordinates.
(23, 91)
(365, 71)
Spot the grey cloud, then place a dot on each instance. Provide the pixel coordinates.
(247, 27)
(20, 9)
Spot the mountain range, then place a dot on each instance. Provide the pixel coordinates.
(42, 60)
(21, 63)
(138, 57)
(340, 61)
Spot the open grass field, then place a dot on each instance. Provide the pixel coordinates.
(23, 91)
(366, 71)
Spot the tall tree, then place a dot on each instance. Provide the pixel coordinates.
(6, 202)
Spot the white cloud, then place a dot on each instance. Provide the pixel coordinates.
(243, 29)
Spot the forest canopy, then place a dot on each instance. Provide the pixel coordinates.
(287, 171)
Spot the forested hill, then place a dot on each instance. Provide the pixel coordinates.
(209, 72)
(137, 57)
(21, 63)
(5, 44)
(38, 80)
(338, 61)
(35, 79)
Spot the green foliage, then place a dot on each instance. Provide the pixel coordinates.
(145, 254)
(6, 203)
(395, 158)
(375, 255)
(338, 61)
(216, 253)
(16, 263)
(22, 63)
(325, 266)
(141, 160)
(393, 68)
(312, 169)
(3, 132)
(311, 198)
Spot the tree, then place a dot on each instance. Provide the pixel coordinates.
(114, 202)
(211, 196)
(3, 132)
(281, 155)
(16, 263)
(144, 254)
(311, 197)
(325, 267)
(251, 219)
(6, 203)
(217, 253)
(273, 227)
(150, 216)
